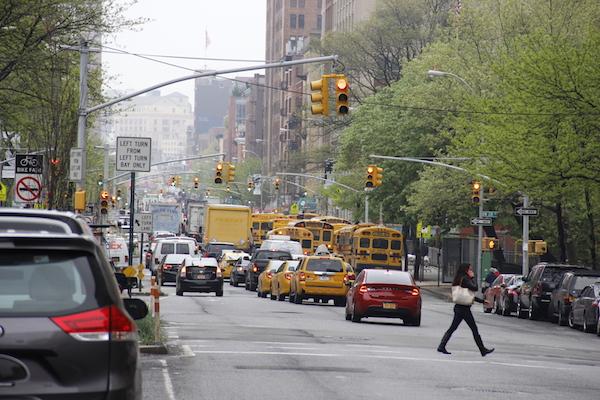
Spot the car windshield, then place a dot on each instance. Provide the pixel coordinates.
(46, 283)
(325, 265)
(552, 275)
(218, 248)
(272, 255)
(583, 281)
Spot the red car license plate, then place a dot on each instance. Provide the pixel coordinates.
(389, 306)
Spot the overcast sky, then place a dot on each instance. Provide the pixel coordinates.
(236, 30)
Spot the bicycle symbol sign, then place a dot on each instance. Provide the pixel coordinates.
(29, 164)
(28, 188)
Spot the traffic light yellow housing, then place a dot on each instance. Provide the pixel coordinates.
(475, 192)
(196, 182)
(79, 200)
(104, 197)
(319, 97)
(230, 173)
(342, 89)
(489, 244)
(219, 173)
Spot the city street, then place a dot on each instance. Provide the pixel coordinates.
(243, 347)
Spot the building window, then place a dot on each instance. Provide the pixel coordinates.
(293, 21)
(301, 3)
(293, 3)
(320, 4)
(319, 22)
(301, 21)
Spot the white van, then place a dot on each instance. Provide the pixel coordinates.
(295, 248)
(174, 246)
(118, 251)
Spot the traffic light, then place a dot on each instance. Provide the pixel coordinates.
(230, 173)
(100, 180)
(79, 200)
(374, 177)
(475, 192)
(113, 201)
(378, 179)
(178, 180)
(104, 197)
(118, 194)
(172, 181)
(341, 96)
(277, 183)
(219, 173)
(250, 186)
(196, 182)
(319, 97)
(489, 244)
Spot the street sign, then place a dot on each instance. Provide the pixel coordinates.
(531, 212)
(489, 214)
(294, 209)
(76, 164)
(133, 154)
(3, 191)
(481, 221)
(143, 223)
(28, 177)
(130, 271)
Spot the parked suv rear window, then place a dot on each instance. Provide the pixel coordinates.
(45, 282)
(324, 265)
(272, 255)
(552, 275)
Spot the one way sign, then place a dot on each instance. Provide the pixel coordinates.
(522, 211)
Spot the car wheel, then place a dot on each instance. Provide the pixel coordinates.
(496, 309)
(298, 298)
(179, 292)
(520, 313)
(281, 297)
(348, 316)
(341, 302)
(273, 297)
(413, 321)
(246, 285)
(531, 313)
(355, 317)
(598, 326)
(219, 293)
(292, 297)
(505, 307)
(562, 321)
(571, 320)
(586, 327)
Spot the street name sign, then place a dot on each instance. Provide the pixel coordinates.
(29, 169)
(530, 212)
(481, 221)
(133, 154)
(76, 164)
(143, 223)
(489, 214)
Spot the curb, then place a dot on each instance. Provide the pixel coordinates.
(153, 349)
(436, 293)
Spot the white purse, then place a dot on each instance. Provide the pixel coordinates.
(462, 296)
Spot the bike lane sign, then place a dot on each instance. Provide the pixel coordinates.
(29, 169)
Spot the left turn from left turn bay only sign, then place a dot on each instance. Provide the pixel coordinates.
(29, 170)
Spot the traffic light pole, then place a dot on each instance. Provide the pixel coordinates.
(366, 208)
(131, 217)
(525, 237)
(479, 235)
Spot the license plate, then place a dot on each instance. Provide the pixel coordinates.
(323, 278)
(389, 306)
(116, 259)
(201, 276)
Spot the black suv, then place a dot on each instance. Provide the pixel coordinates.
(65, 332)
(538, 286)
(259, 261)
(565, 294)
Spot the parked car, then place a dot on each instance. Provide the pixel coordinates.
(199, 275)
(567, 292)
(61, 311)
(584, 310)
(259, 261)
(280, 284)
(265, 278)
(238, 272)
(537, 288)
(384, 293)
(169, 267)
(491, 298)
(509, 295)
(321, 278)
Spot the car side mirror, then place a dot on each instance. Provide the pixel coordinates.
(136, 308)
(349, 283)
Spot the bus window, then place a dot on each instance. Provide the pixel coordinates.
(316, 234)
(380, 243)
(266, 226)
(326, 236)
(396, 245)
(307, 244)
(256, 226)
(364, 242)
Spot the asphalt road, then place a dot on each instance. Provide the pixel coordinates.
(240, 346)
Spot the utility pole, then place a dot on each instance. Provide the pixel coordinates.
(479, 234)
(84, 57)
(366, 208)
(525, 237)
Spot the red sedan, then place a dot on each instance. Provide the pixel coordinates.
(384, 293)
(491, 298)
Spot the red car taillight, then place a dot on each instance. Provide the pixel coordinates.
(167, 266)
(288, 276)
(302, 277)
(415, 292)
(102, 324)
(269, 274)
(254, 268)
(363, 289)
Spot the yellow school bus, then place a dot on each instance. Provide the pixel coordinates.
(342, 239)
(261, 224)
(300, 235)
(281, 222)
(376, 247)
(332, 220)
(322, 231)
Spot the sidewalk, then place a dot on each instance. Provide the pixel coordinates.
(429, 284)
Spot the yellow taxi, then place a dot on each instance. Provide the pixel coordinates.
(321, 278)
(265, 277)
(280, 283)
(228, 259)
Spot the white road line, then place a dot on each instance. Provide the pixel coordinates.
(173, 336)
(472, 362)
(167, 379)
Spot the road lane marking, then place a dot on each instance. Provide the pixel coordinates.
(167, 380)
(187, 351)
(471, 362)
